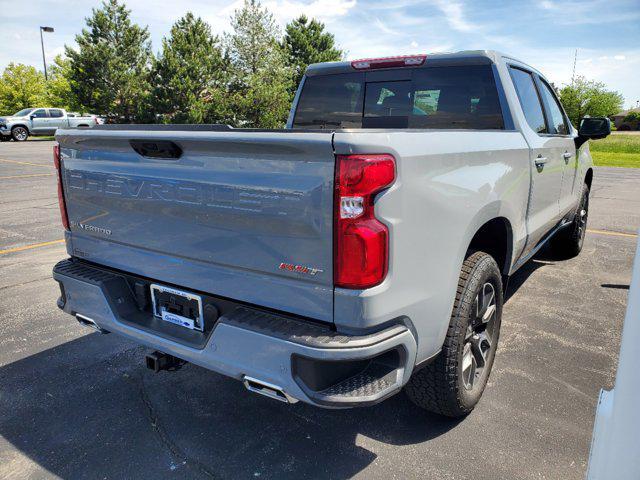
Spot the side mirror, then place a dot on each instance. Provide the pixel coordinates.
(593, 129)
(32, 117)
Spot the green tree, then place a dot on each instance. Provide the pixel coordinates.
(21, 86)
(260, 83)
(306, 42)
(189, 75)
(109, 72)
(58, 87)
(587, 97)
(631, 121)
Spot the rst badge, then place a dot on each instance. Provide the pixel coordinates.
(302, 269)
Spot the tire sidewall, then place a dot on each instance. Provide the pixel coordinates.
(15, 137)
(584, 204)
(486, 270)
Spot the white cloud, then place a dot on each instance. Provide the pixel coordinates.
(619, 57)
(378, 23)
(454, 14)
(286, 10)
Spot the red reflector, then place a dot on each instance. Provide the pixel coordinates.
(389, 62)
(361, 241)
(61, 203)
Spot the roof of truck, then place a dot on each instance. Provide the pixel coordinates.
(464, 57)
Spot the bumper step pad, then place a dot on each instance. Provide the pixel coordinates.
(368, 383)
(304, 333)
(83, 272)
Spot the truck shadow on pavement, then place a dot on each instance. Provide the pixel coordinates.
(89, 409)
(544, 257)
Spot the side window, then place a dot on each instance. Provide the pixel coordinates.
(55, 113)
(529, 99)
(558, 123)
(40, 113)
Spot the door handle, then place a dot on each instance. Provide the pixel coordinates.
(540, 161)
(567, 156)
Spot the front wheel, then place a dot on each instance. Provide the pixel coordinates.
(453, 383)
(19, 134)
(569, 241)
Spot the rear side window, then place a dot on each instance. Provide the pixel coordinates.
(558, 122)
(55, 113)
(529, 100)
(437, 97)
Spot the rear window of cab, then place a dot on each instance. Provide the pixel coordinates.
(447, 97)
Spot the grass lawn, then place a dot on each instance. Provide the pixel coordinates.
(617, 150)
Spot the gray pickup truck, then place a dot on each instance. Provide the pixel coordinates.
(364, 249)
(41, 121)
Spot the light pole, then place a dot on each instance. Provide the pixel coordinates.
(50, 30)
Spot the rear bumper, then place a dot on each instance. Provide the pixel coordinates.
(308, 362)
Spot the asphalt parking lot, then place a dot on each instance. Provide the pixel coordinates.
(76, 404)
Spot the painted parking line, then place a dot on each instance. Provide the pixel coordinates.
(615, 234)
(26, 163)
(29, 247)
(27, 176)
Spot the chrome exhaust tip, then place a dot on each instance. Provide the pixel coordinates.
(88, 322)
(267, 389)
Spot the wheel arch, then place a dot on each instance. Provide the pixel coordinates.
(495, 237)
(21, 125)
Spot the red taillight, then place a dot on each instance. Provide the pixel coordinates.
(361, 241)
(389, 62)
(63, 207)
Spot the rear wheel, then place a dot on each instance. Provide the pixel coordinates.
(568, 242)
(453, 383)
(19, 134)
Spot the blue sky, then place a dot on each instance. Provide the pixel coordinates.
(543, 33)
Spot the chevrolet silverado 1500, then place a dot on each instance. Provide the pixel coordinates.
(41, 121)
(363, 249)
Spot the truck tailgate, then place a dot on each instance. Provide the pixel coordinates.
(233, 216)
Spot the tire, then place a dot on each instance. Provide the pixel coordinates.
(568, 242)
(449, 385)
(19, 134)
